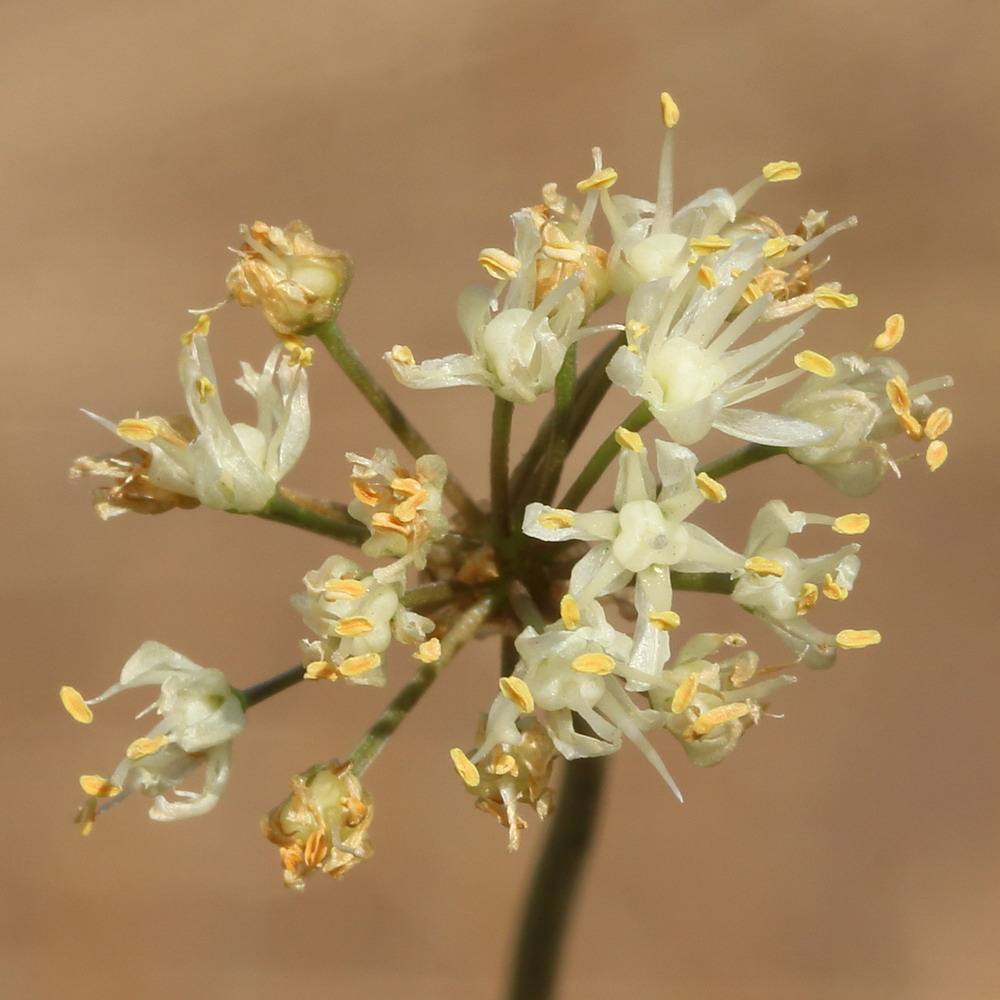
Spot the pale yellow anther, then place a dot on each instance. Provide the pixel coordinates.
(200, 328)
(498, 263)
(827, 297)
(599, 180)
(73, 702)
(937, 453)
(315, 849)
(429, 651)
(892, 334)
(709, 244)
(628, 439)
(408, 509)
(808, 597)
(852, 524)
(669, 111)
(389, 522)
(355, 665)
(516, 691)
(899, 395)
(349, 627)
(343, 588)
(593, 663)
(914, 429)
(760, 566)
(937, 423)
(204, 387)
(402, 355)
(752, 292)
(467, 771)
(636, 329)
(781, 170)
(321, 670)
(684, 694)
(665, 621)
(833, 590)
(100, 788)
(815, 364)
(710, 489)
(145, 746)
(777, 246)
(137, 429)
(504, 763)
(852, 638)
(569, 611)
(707, 278)
(716, 717)
(85, 817)
(556, 519)
(301, 357)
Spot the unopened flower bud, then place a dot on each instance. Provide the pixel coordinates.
(323, 823)
(295, 280)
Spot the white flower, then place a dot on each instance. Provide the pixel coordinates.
(517, 349)
(228, 466)
(642, 539)
(201, 715)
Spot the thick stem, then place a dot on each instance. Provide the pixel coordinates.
(740, 458)
(275, 685)
(705, 583)
(503, 416)
(547, 910)
(317, 516)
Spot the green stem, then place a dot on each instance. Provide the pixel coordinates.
(705, 583)
(427, 594)
(341, 350)
(388, 722)
(549, 904)
(503, 416)
(602, 458)
(318, 516)
(275, 685)
(740, 458)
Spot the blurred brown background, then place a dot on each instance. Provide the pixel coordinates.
(846, 852)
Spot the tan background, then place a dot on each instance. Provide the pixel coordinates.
(847, 852)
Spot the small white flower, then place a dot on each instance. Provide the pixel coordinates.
(228, 466)
(201, 715)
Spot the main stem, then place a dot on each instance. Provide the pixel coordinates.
(503, 415)
(549, 903)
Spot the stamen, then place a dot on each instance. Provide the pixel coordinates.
(715, 717)
(850, 638)
(777, 246)
(200, 328)
(145, 746)
(315, 850)
(684, 694)
(707, 278)
(516, 691)
(833, 590)
(355, 665)
(204, 388)
(504, 763)
(852, 524)
(100, 788)
(892, 334)
(628, 439)
(593, 663)
(498, 263)
(73, 702)
(402, 355)
(937, 423)
(760, 566)
(807, 598)
(937, 452)
(710, 488)
(368, 495)
(557, 518)
(349, 627)
(781, 170)
(665, 621)
(668, 107)
(709, 244)
(817, 364)
(428, 651)
(344, 589)
(467, 771)
(320, 670)
(569, 612)
(636, 329)
(827, 297)
(599, 180)
(300, 357)
(899, 395)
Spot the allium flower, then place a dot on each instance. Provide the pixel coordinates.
(201, 715)
(356, 617)
(862, 402)
(296, 281)
(517, 350)
(781, 587)
(228, 466)
(322, 825)
(642, 539)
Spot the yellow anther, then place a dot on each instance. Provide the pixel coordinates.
(852, 638)
(100, 788)
(569, 612)
(709, 244)
(937, 452)
(301, 357)
(665, 621)
(815, 363)
(204, 387)
(321, 670)
(781, 170)
(145, 746)
(892, 334)
(684, 694)
(777, 246)
(914, 429)
(716, 717)
(498, 263)
(599, 180)
(138, 429)
(348, 627)
(707, 278)
(833, 590)
(85, 817)
(752, 292)
(899, 395)
(556, 519)
(635, 329)
(807, 598)
(669, 110)
(343, 588)
(827, 297)
(710, 489)
(628, 439)
(852, 524)
(517, 692)
(402, 355)
(593, 663)
(760, 566)
(355, 665)
(354, 810)
(937, 423)
(467, 771)
(315, 849)
(408, 510)
(389, 522)
(429, 651)
(504, 763)
(200, 328)
(73, 702)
